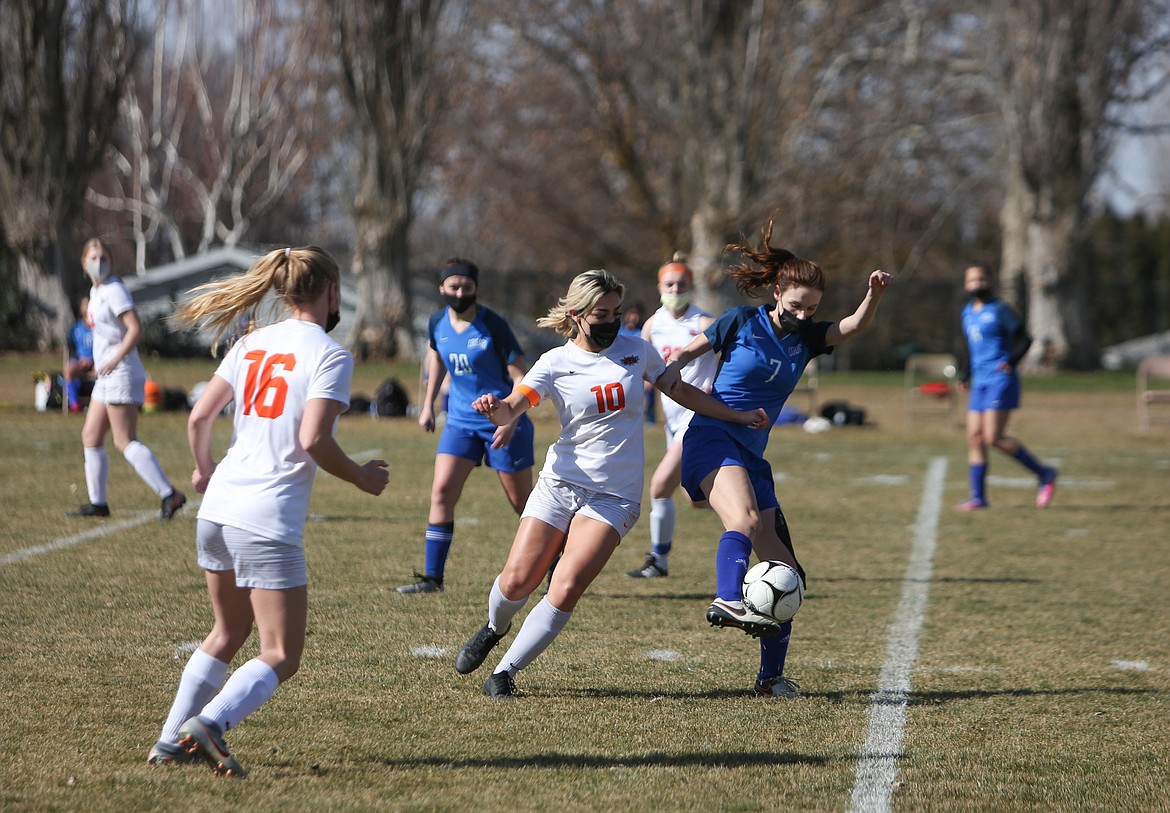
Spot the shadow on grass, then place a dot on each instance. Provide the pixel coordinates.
(554, 759)
(938, 698)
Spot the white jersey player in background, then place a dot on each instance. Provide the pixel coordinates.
(289, 382)
(589, 492)
(671, 328)
(119, 391)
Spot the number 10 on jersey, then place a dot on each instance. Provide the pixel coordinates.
(610, 398)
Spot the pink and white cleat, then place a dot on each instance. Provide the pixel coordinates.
(1047, 489)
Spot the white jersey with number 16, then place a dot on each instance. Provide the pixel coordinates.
(264, 481)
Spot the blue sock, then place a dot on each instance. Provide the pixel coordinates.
(731, 563)
(72, 390)
(438, 544)
(1029, 462)
(978, 477)
(773, 652)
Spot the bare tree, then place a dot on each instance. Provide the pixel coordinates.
(1063, 68)
(215, 126)
(63, 67)
(391, 63)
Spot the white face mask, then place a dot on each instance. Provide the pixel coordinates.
(676, 302)
(97, 269)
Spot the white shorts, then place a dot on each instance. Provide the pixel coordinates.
(262, 563)
(557, 502)
(125, 384)
(675, 420)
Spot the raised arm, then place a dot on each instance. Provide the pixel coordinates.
(859, 320)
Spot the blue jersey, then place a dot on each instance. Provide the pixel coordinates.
(81, 341)
(758, 368)
(991, 333)
(476, 360)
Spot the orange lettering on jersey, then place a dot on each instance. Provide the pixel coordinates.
(265, 390)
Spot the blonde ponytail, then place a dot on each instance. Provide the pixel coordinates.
(296, 275)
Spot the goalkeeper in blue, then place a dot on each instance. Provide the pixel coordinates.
(763, 352)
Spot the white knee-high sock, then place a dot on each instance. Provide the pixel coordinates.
(662, 516)
(247, 689)
(142, 459)
(501, 609)
(203, 676)
(97, 473)
(542, 625)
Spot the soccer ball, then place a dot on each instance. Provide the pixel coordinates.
(773, 589)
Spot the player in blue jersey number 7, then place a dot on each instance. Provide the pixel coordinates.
(763, 351)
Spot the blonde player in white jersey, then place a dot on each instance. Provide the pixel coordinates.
(119, 391)
(671, 328)
(589, 492)
(290, 382)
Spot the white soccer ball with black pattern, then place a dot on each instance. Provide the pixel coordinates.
(773, 589)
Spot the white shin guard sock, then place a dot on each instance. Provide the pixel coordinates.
(97, 474)
(203, 677)
(542, 625)
(142, 459)
(247, 689)
(662, 517)
(501, 609)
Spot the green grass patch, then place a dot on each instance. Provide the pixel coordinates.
(1041, 680)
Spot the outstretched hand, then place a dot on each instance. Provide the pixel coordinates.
(879, 281)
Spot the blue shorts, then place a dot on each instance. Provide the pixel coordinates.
(476, 444)
(1001, 393)
(706, 448)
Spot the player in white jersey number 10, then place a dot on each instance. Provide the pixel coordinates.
(589, 492)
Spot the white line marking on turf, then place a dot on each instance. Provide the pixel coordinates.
(1132, 666)
(663, 655)
(428, 651)
(186, 648)
(106, 528)
(878, 763)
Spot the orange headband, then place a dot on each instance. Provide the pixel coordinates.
(675, 266)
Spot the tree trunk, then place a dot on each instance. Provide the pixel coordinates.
(47, 314)
(382, 326)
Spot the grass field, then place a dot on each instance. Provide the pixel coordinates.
(1039, 675)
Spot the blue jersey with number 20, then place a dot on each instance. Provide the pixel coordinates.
(476, 360)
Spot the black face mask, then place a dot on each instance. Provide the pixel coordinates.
(791, 324)
(459, 303)
(604, 333)
(982, 294)
(331, 321)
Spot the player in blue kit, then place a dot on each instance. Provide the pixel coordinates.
(477, 349)
(763, 352)
(996, 341)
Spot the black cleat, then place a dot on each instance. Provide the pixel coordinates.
(477, 648)
(650, 569)
(500, 686)
(425, 584)
(172, 504)
(91, 510)
(723, 613)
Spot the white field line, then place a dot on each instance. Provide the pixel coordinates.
(878, 763)
(108, 528)
(105, 529)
